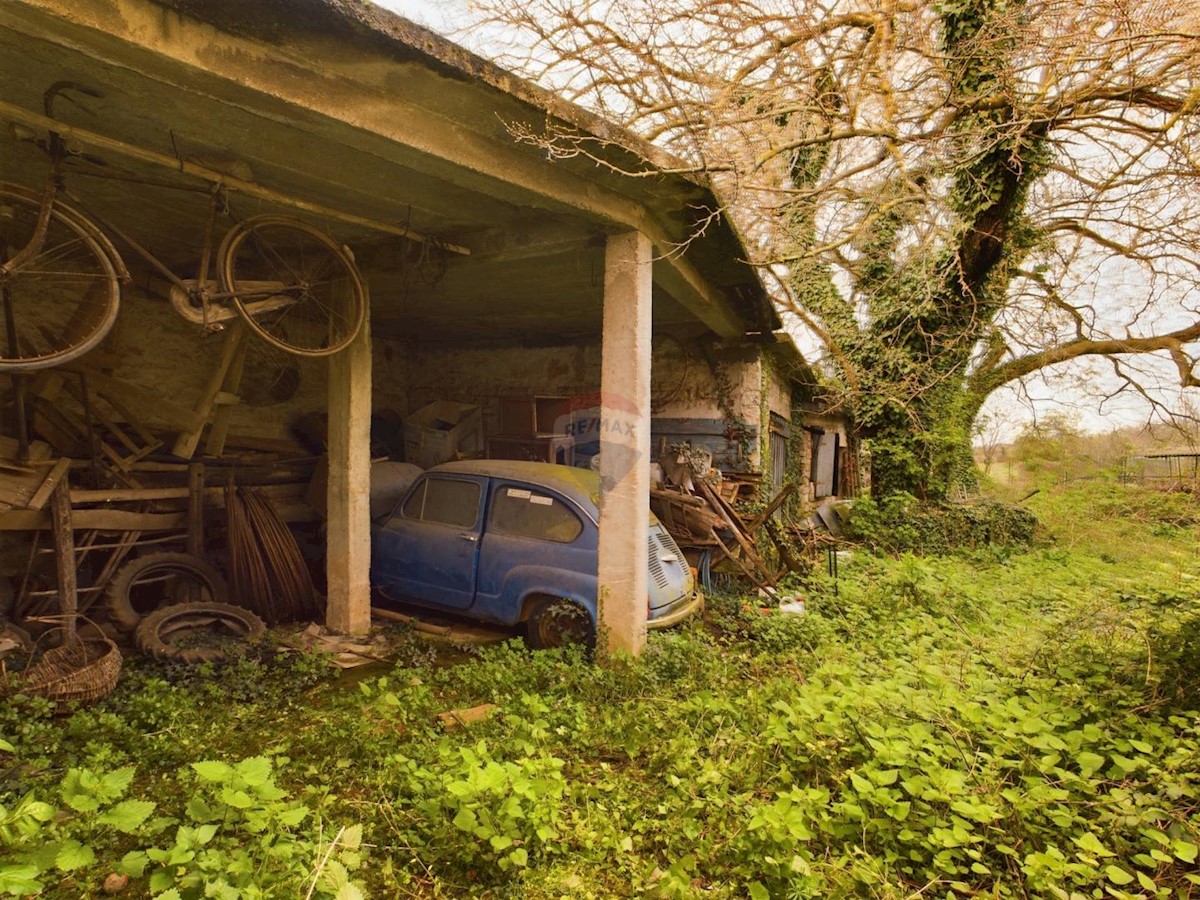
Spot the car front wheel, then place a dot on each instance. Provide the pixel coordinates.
(557, 622)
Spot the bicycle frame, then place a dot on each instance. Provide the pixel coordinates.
(193, 299)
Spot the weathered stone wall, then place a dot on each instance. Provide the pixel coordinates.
(688, 401)
(159, 351)
(777, 391)
(693, 391)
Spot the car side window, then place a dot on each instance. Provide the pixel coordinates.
(445, 501)
(528, 513)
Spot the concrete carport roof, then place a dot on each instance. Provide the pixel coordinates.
(349, 108)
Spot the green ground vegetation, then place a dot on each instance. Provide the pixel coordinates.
(1000, 723)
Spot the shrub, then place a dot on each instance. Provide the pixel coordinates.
(899, 523)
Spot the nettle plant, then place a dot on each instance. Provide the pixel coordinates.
(43, 841)
(240, 838)
(492, 815)
(242, 833)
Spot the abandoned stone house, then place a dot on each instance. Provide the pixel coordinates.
(496, 279)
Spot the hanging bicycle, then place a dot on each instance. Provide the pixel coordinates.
(61, 275)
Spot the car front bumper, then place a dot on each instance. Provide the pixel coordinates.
(691, 604)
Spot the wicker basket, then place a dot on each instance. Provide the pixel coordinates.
(82, 668)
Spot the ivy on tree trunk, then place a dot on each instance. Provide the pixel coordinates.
(926, 318)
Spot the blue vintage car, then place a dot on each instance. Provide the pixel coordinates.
(514, 542)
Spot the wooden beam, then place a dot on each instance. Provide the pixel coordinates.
(64, 556)
(195, 489)
(235, 347)
(42, 494)
(212, 495)
(94, 519)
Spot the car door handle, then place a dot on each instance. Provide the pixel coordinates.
(468, 536)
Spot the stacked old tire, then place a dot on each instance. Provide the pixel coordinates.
(176, 606)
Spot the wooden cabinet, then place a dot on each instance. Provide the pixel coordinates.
(535, 415)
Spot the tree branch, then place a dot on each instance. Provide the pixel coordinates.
(1172, 342)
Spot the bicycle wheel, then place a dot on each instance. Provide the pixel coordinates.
(293, 284)
(61, 300)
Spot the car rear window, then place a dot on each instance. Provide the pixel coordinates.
(446, 501)
(527, 513)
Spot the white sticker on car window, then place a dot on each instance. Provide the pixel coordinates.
(541, 501)
(518, 493)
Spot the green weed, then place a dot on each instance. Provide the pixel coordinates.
(1004, 723)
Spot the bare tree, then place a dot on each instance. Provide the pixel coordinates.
(952, 195)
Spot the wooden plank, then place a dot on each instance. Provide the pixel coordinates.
(18, 488)
(780, 499)
(99, 519)
(64, 554)
(57, 474)
(737, 527)
(195, 540)
(215, 495)
(235, 346)
(225, 400)
(753, 573)
(41, 465)
(677, 497)
(158, 467)
(117, 495)
(268, 445)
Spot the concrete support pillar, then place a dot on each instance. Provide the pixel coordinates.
(625, 444)
(348, 541)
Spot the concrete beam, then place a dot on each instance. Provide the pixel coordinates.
(353, 98)
(348, 537)
(679, 278)
(625, 445)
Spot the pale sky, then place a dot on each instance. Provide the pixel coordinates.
(440, 15)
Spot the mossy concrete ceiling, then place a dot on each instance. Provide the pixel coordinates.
(346, 106)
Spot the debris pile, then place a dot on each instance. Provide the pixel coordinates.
(697, 505)
(91, 494)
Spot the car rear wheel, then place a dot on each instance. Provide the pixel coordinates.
(558, 622)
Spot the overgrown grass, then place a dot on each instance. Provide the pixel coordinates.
(1008, 724)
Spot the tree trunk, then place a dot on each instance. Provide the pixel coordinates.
(925, 448)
